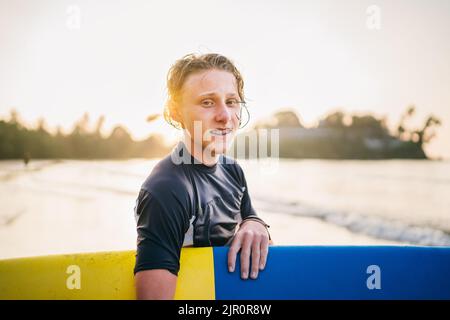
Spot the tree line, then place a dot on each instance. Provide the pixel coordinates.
(337, 136)
(340, 135)
(20, 142)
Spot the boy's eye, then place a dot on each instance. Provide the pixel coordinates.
(232, 103)
(207, 103)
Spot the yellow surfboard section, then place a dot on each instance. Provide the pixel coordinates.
(104, 275)
(196, 276)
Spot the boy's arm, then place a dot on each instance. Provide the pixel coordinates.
(156, 284)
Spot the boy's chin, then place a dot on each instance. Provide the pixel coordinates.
(218, 148)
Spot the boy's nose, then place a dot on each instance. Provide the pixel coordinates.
(223, 114)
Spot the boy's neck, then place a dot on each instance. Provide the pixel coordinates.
(203, 156)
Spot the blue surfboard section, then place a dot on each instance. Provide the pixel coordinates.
(340, 273)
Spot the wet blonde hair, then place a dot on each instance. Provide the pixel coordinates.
(190, 64)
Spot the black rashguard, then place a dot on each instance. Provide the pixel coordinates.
(186, 203)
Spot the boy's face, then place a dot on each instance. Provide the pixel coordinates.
(209, 109)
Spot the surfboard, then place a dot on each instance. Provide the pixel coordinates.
(292, 272)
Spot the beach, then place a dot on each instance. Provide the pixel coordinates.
(71, 206)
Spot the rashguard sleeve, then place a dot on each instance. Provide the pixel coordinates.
(247, 209)
(160, 233)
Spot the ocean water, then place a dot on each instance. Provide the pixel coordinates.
(400, 200)
(81, 206)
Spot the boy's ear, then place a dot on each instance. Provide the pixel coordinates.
(174, 108)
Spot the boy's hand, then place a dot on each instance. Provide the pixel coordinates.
(252, 239)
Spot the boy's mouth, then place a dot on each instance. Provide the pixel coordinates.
(220, 132)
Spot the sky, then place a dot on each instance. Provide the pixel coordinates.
(60, 59)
